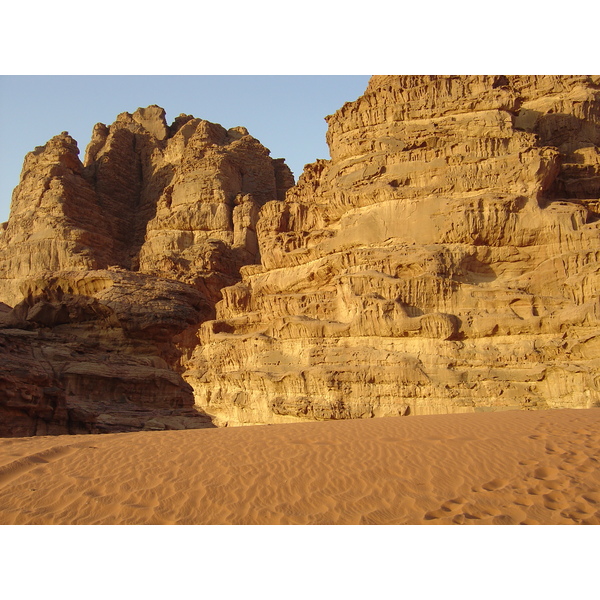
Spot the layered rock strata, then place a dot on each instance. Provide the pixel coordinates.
(444, 260)
(107, 268)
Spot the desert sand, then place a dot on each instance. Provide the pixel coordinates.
(513, 467)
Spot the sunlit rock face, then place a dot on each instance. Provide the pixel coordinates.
(180, 201)
(107, 268)
(444, 260)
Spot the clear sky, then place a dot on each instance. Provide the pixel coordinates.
(286, 113)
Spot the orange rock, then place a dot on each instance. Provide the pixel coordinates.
(90, 261)
(442, 261)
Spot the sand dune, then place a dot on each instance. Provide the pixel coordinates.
(493, 468)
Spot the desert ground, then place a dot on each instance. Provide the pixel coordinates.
(482, 468)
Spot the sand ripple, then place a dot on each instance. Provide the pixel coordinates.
(503, 468)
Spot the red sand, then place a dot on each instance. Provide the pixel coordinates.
(491, 468)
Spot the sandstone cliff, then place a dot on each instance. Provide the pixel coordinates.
(180, 201)
(444, 260)
(107, 268)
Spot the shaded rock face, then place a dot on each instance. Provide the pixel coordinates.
(98, 351)
(107, 268)
(444, 260)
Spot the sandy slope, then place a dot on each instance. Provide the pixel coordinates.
(495, 468)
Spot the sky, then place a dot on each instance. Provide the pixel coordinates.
(286, 113)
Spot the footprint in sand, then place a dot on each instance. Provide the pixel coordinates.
(591, 497)
(577, 511)
(552, 448)
(20, 466)
(495, 484)
(557, 484)
(526, 502)
(490, 486)
(447, 509)
(435, 514)
(504, 520)
(455, 502)
(576, 457)
(537, 490)
(586, 468)
(472, 516)
(546, 479)
(544, 473)
(555, 501)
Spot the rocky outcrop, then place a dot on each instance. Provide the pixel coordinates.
(107, 268)
(178, 201)
(443, 260)
(203, 229)
(98, 351)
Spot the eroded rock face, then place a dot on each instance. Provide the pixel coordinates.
(108, 267)
(444, 260)
(98, 351)
(179, 201)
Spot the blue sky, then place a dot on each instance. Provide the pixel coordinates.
(286, 113)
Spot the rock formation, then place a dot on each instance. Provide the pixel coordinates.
(178, 201)
(108, 267)
(444, 260)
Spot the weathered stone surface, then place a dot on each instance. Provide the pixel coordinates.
(98, 351)
(203, 230)
(54, 220)
(444, 260)
(55, 383)
(107, 268)
(148, 197)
